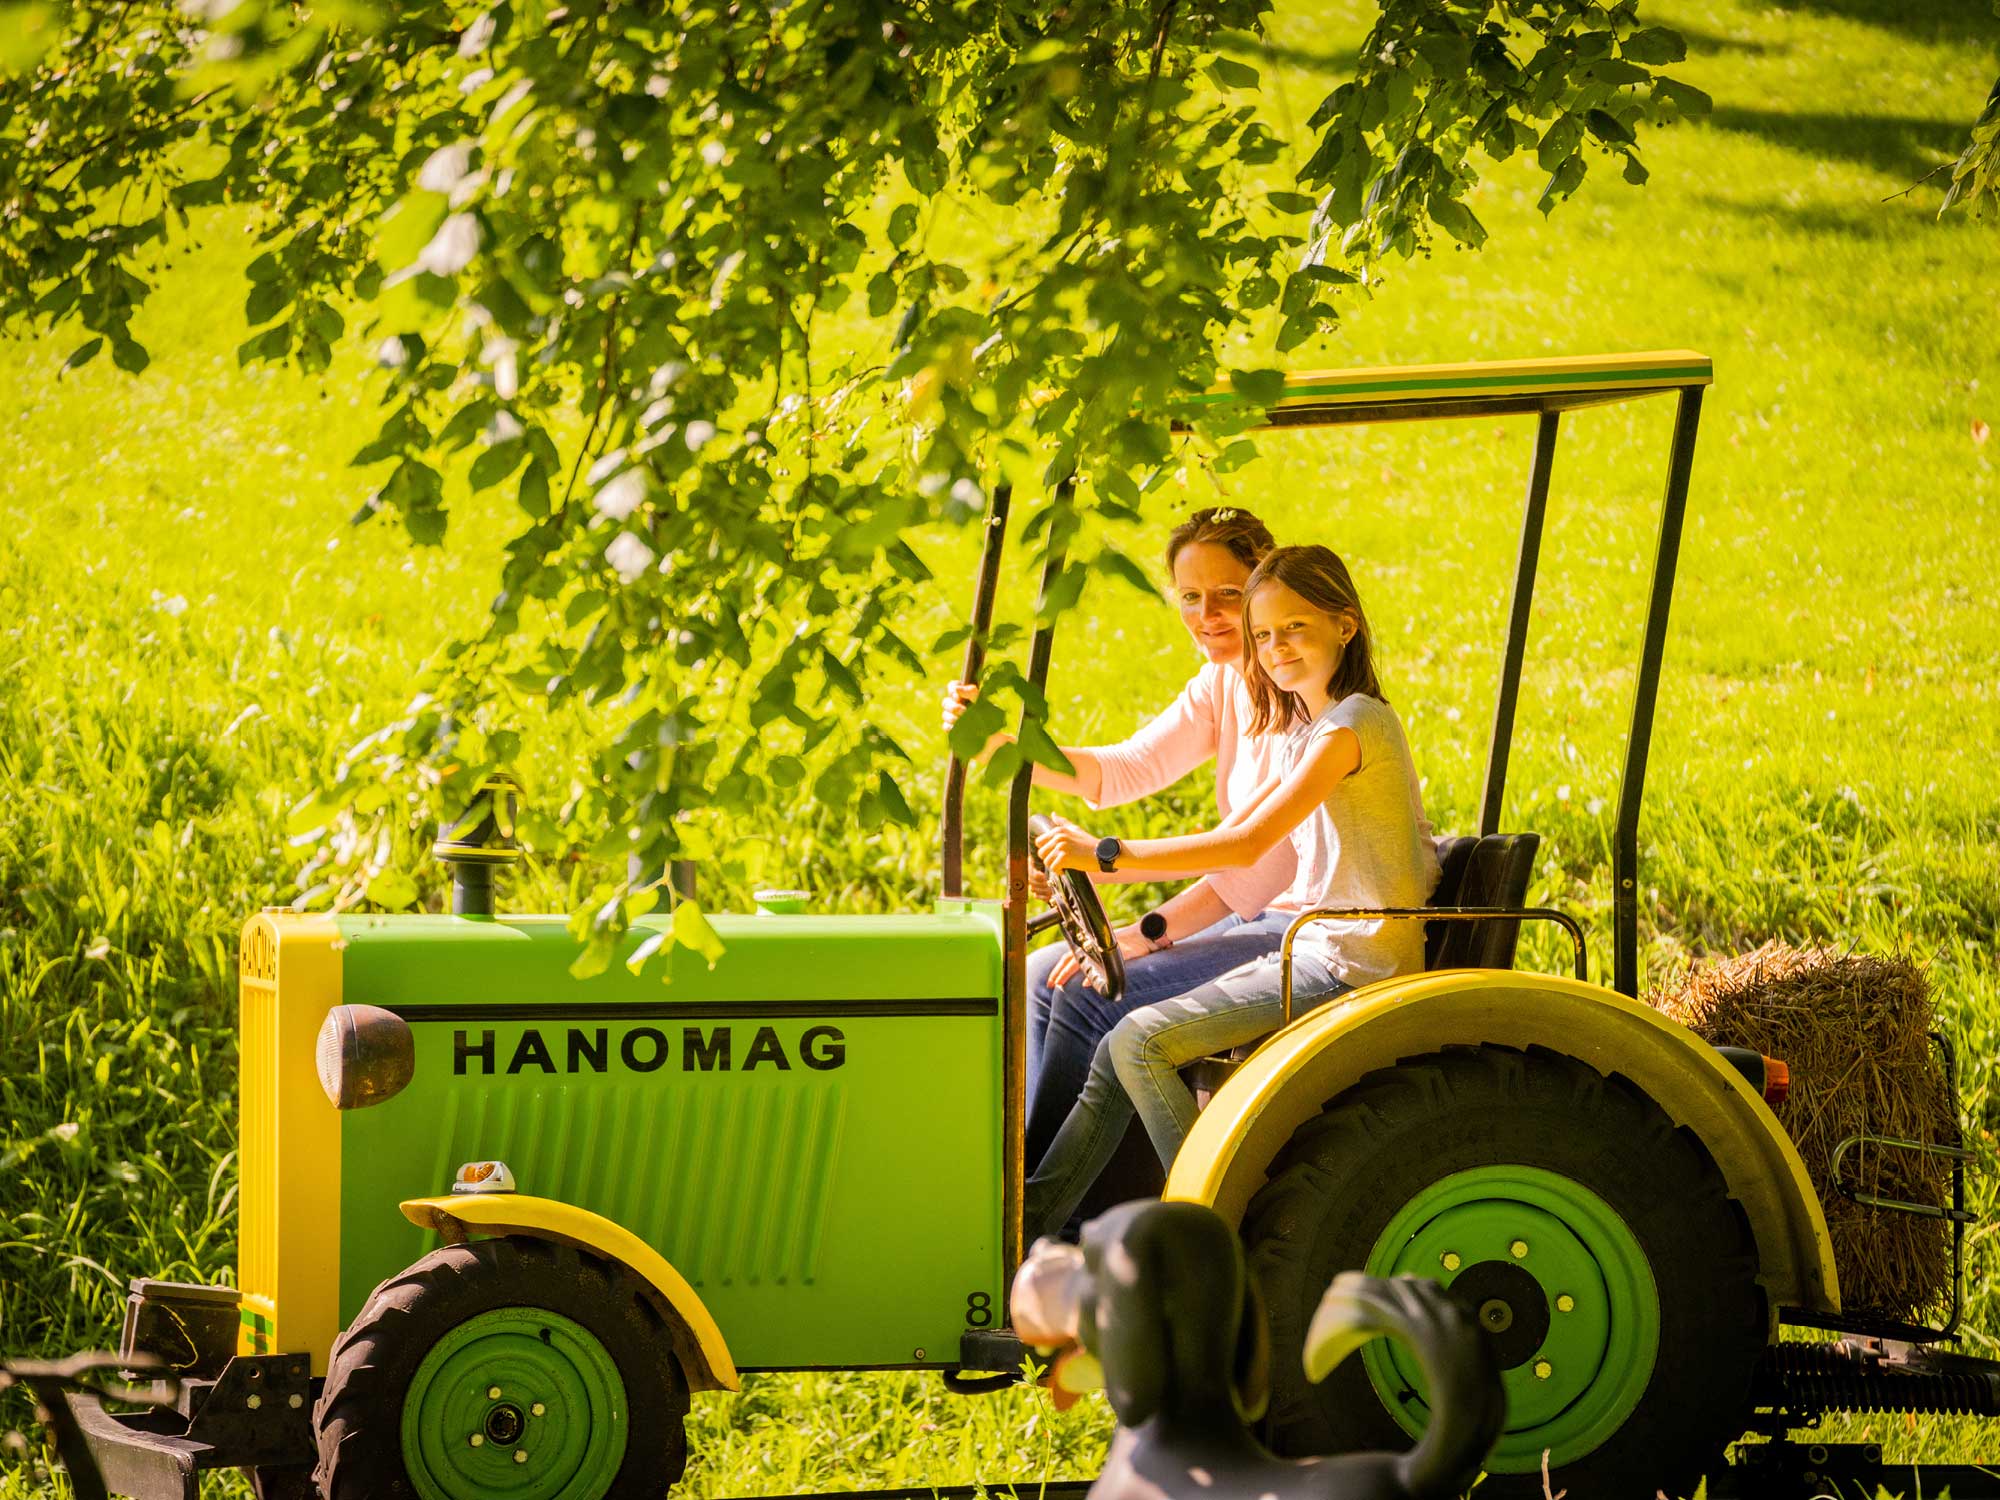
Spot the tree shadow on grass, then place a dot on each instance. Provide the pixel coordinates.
(1899, 146)
(1713, 43)
(1947, 22)
(1863, 219)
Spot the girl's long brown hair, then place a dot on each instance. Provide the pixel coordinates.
(1247, 538)
(1318, 576)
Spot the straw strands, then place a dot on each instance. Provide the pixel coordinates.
(1854, 1030)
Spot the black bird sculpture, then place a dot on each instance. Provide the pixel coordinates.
(1158, 1296)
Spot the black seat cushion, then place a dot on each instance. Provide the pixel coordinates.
(1454, 854)
(1494, 871)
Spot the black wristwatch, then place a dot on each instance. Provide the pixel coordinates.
(1108, 850)
(1153, 928)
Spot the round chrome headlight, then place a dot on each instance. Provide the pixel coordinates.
(365, 1055)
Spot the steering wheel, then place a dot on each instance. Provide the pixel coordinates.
(1081, 916)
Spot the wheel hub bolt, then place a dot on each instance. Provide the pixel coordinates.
(504, 1423)
(477, 1440)
(1565, 1303)
(520, 1455)
(1519, 1249)
(493, 1393)
(1496, 1315)
(1543, 1369)
(1449, 1260)
(538, 1410)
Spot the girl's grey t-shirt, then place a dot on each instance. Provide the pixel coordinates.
(1368, 846)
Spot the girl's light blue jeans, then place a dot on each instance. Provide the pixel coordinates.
(1137, 1066)
(1065, 1025)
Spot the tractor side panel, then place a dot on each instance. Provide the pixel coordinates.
(809, 1132)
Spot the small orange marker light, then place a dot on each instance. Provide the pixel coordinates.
(1777, 1080)
(483, 1177)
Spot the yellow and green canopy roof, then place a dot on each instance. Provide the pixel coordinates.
(1393, 393)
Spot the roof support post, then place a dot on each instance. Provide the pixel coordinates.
(952, 822)
(1014, 917)
(1502, 743)
(1632, 786)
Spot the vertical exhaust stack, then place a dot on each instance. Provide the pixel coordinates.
(481, 841)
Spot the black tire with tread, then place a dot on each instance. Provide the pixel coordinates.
(1345, 1173)
(358, 1420)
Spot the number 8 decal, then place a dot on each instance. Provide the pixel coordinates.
(979, 1310)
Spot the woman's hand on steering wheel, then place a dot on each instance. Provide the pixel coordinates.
(1064, 846)
(1131, 944)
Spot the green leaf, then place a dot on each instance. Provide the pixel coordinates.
(82, 355)
(902, 225)
(1112, 561)
(1258, 387)
(893, 803)
(496, 463)
(129, 355)
(1043, 751)
(393, 890)
(1656, 44)
(266, 300)
(636, 959)
(27, 32)
(1456, 220)
(1232, 74)
(981, 720)
(840, 677)
(1690, 101)
(692, 930)
(1559, 143)
(534, 493)
(1608, 128)
(1561, 184)
(594, 959)
(1613, 71)
(1292, 203)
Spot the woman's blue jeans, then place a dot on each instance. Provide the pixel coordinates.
(1065, 1025)
(1137, 1066)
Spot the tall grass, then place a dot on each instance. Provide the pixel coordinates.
(190, 631)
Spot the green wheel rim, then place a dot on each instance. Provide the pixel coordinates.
(519, 1403)
(1576, 1386)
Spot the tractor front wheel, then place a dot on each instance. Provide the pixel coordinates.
(1594, 1240)
(507, 1367)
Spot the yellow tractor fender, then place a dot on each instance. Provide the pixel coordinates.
(1327, 1051)
(697, 1340)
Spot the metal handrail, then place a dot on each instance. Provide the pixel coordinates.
(1563, 920)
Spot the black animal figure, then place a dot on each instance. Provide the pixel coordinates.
(1157, 1294)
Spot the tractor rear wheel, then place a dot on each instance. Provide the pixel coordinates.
(513, 1367)
(1594, 1239)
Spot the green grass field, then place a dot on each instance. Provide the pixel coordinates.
(190, 632)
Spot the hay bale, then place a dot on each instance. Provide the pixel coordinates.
(1854, 1030)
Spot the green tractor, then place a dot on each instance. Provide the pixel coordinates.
(498, 1225)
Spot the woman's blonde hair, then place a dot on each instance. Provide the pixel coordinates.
(1241, 533)
(1318, 576)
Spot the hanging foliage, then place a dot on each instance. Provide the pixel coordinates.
(728, 298)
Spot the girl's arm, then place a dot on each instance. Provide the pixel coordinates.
(1272, 815)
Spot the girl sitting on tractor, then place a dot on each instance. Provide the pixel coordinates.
(1349, 801)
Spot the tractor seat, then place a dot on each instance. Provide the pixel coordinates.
(1491, 870)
